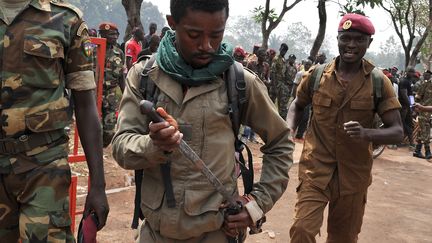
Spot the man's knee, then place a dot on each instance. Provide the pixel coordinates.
(302, 231)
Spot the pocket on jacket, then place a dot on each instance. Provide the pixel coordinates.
(152, 192)
(198, 202)
(321, 107)
(48, 120)
(43, 53)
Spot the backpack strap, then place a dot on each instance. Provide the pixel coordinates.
(316, 77)
(236, 91)
(377, 82)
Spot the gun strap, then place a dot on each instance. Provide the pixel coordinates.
(137, 202)
(166, 176)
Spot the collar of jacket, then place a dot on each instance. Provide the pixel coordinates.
(367, 66)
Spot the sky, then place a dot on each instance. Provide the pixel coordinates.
(307, 13)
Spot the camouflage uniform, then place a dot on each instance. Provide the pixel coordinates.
(424, 96)
(280, 88)
(44, 51)
(114, 63)
(290, 76)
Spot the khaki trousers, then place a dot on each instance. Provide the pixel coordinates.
(345, 215)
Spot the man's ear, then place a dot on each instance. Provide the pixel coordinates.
(171, 21)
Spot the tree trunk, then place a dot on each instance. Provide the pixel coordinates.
(133, 12)
(322, 13)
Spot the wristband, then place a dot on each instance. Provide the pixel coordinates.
(255, 212)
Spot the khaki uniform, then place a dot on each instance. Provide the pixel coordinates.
(44, 51)
(202, 113)
(334, 167)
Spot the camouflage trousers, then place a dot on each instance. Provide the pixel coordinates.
(424, 131)
(283, 93)
(109, 119)
(34, 206)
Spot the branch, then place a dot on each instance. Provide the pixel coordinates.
(285, 9)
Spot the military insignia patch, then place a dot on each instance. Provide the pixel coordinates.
(88, 48)
(347, 24)
(107, 27)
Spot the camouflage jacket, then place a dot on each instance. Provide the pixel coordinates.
(424, 92)
(278, 70)
(291, 72)
(114, 62)
(44, 51)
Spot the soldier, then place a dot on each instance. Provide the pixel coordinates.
(188, 70)
(113, 80)
(424, 96)
(320, 58)
(279, 88)
(405, 91)
(336, 161)
(45, 50)
(291, 73)
(152, 31)
(240, 55)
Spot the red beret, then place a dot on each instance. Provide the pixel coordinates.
(239, 51)
(356, 22)
(107, 26)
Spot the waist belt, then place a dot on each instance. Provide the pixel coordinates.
(28, 142)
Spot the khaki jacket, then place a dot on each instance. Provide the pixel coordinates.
(203, 112)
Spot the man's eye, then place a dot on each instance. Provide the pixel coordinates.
(193, 35)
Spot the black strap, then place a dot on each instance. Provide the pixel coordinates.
(137, 201)
(169, 191)
(28, 142)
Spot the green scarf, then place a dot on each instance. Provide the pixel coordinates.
(173, 64)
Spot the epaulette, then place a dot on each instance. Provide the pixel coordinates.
(62, 3)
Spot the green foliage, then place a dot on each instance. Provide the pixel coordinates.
(357, 6)
(258, 14)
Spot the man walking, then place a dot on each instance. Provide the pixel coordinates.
(189, 73)
(279, 87)
(336, 162)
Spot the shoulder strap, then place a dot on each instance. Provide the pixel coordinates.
(316, 77)
(147, 86)
(236, 91)
(377, 82)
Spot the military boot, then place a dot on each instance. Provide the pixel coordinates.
(427, 152)
(417, 152)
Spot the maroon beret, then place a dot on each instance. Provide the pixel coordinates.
(107, 26)
(356, 22)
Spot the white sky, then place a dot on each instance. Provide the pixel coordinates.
(307, 13)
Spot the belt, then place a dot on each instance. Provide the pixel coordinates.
(28, 142)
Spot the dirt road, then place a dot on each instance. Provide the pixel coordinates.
(399, 208)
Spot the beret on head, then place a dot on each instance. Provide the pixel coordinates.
(356, 22)
(107, 26)
(239, 51)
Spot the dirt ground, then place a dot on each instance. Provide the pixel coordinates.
(399, 208)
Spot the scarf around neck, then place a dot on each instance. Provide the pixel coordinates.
(169, 60)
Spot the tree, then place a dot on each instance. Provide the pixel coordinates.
(269, 19)
(133, 14)
(247, 37)
(412, 21)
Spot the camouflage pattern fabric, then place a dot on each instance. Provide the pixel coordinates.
(282, 95)
(44, 51)
(41, 212)
(114, 63)
(291, 72)
(277, 75)
(424, 97)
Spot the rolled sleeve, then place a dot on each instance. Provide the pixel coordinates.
(82, 80)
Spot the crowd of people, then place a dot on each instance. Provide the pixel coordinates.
(189, 67)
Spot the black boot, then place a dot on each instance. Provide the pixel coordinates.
(427, 151)
(417, 152)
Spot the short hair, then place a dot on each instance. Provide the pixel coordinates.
(284, 46)
(178, 7)
(136, 32)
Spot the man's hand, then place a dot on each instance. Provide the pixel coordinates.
(355, 130)
(165, 135)
(97, 202)
(233, 224)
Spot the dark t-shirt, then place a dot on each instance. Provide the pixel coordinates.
(406, 84)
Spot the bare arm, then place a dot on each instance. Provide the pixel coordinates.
(89, 128)
(295, 114)
(392, 132)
